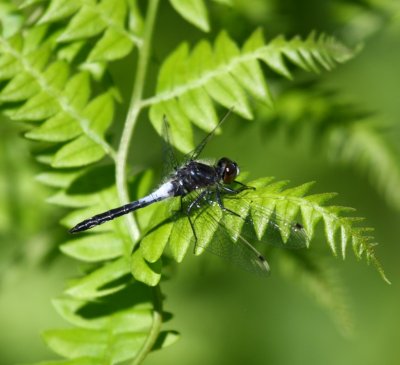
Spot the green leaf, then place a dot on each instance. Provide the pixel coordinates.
(57, 179)
(312, 212)
(168, 74)
(251, 78)
(94, 248)
(79, 361)
(83, 150)
(69, 51)
(77, 90)
(80, 152)
(8, 66)
(60, 9)
(100, 112)
(165, 339)
(180, 238)
(194, 11)
(143, 271)
(226, 91)
(44, 104)
(86, 23)
(11, 19)
(34, 39)
(273, 58)
(93, 18)
(226, 2)
(205, 236)
(197, 105)
(115, 319)
(21, 64)
(289, 210)
(153, 243)
(39, 107)
(180, 131)
(91, 286)
(63, 126)
(112, 46)
(26, 3)
(331, 226)
(275, 215)
(226, 73)
(64, 199)
(135, 17)
(59, 128)
(21, 87)
(47, 95)
(76, 343)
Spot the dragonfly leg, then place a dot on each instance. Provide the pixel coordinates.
(226, 189)
(221, 204)
(244, 187)
(192, 205)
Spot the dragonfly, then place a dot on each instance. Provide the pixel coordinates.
(205, 190)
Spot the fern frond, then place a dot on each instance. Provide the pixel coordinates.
(346, 133)
(104, 19)
(42, 88)
(363, 146)
(112, 316)
(110, 330)
(176, 235)
(189, 82)
(195, 11)
(45, 91)
(11, 20)
(48, 74)
(340, 230)
(318, 277)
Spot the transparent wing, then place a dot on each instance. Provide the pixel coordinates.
(266, 224)
(170, 161)
(223, 236)
(193, 155)
(233, 233)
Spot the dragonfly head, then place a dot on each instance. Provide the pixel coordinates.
(227, 170)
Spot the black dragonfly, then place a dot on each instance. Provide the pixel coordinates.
(207, 190)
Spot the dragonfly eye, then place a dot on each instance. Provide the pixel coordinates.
(228, 170)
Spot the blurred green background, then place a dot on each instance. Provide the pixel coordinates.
(226, 316)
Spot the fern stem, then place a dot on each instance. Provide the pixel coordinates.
(155, 327)
(133, 113)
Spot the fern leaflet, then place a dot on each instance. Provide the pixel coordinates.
(188, 83)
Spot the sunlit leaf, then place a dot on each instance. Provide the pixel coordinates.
(94, 248)
(227, 73)
(113, 45)
(60, 9)
(80, 152)
(193, 11)
(143, 271)
(94, 284)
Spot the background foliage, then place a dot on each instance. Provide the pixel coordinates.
(347, 117)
